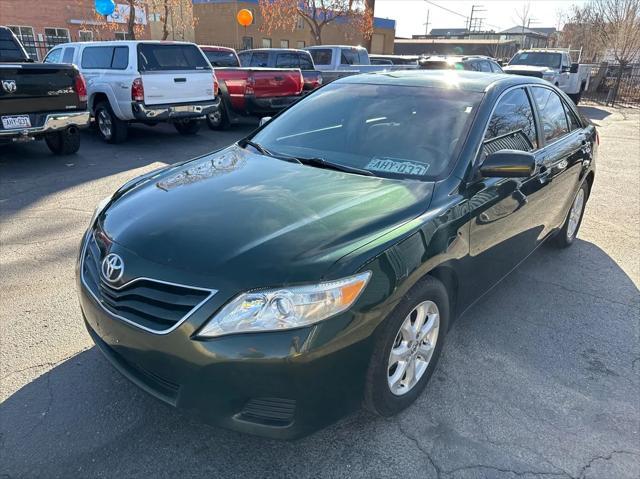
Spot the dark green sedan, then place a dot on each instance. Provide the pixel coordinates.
(315, 266)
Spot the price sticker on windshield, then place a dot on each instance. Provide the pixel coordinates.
(397, 166)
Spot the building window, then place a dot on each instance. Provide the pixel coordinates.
(155, 17)
(284, 43)
(300, 44)
(85, 35)
(300, 23)
(247, 43)
(266, 43)
(27, 38)
(123, 36)
(56, 36)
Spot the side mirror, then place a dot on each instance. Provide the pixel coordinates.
(565, 69)
(508, 164)
(264, 120)
(574, 68)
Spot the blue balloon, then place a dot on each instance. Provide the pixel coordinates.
(105, 7)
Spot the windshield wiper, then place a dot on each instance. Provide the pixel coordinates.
(322, 163)
(263, 151)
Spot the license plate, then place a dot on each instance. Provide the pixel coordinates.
(13, 122)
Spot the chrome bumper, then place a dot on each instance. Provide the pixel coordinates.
(52, 122)
(174, 111)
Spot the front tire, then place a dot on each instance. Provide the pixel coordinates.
(569, 231)
(219, 120)
(407, 348)
(65, 142)
(187, 127)
(110, 128)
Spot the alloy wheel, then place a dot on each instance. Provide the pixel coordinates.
(575, 214)
(104, 123)
(413, 348)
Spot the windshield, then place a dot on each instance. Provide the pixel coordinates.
(222, 59)
(389, 130)
(538, 59)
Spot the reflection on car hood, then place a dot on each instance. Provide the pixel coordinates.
(258, 220)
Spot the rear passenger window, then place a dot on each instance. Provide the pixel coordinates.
(495, 67)
(349, 56)
(305, 62)
(53, 56)
(67, 57)
(511, 126)
(286, 60)
(259, 59)
(484, 66)
(120, 58)
(97, 57)
(574, 124)
(552, 116)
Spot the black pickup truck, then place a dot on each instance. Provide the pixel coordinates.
(39, 101)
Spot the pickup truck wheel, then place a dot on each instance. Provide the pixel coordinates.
(110, 128)
(218, 120)
(187, 127)
(407, 348)
(567, 234)
(65, 142)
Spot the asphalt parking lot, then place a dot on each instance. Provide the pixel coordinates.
(540, 378)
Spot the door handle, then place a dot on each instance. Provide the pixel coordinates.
(180, 80)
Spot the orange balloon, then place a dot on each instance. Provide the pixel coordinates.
(245, 17)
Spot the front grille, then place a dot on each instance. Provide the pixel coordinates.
(153, 305)
(526, 73)
(269, 411)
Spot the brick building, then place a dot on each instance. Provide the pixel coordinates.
(216, 25)
(43, 24)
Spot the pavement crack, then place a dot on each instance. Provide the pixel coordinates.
(608, 457)
(414, 440)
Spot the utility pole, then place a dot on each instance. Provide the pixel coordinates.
(475, 21)
(426, 25)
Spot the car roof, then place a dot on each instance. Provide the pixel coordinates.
(278, 50)
(215, 48)
(121, 43)
(460, 79)
(334, 46)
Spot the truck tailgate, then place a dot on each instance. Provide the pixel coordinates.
(275, 82)
(177, 86)
(38, 88)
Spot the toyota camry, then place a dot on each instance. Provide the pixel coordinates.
(316, 265)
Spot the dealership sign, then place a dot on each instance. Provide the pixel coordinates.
(121, 15)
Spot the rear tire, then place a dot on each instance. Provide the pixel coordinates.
(219, 120)
(383, 398)
(110, 128)
(187, 127)
(65, 142)
(569, 231)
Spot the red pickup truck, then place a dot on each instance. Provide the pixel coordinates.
(249, 91)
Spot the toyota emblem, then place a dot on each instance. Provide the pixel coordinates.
(112, 267)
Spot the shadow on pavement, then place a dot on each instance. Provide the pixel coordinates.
(594, 113)
(527, 362)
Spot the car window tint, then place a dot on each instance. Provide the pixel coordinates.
(169, 57)
(511, 126)
(349, 56)
(472, 65)
(574, 124)
(67, 57)
(484, 66)
(287, 60)
(305, 62)
(495, 67)
(552, 116)
(362, 56)
(245, 58)
(222, 59)
(53, 56)
(259, 59)
(321, 56)
(120, 59)
(97, 57)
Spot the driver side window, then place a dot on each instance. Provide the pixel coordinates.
(511, 126)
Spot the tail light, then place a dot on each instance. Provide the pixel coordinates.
(81, 87)
(597, 138)
(137, 90)
(216, 86)
(251, 81)
(301, 82)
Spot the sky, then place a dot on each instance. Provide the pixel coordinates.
(411, 15)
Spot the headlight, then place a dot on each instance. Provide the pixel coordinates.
(99, 207)
(285, 308)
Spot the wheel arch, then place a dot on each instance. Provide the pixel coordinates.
(591, 176)
(97, 98)
(449, 278)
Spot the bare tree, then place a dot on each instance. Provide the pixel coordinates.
(523, 18)
(175, 15)
(317, 14)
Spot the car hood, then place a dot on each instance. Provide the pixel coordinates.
(526, 68)
(254, 220)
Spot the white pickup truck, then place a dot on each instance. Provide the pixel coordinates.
(555, 66)
(336, 61)
(143, 81)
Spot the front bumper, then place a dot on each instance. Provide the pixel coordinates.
(281, 385)
(48, 123)
(177, 111)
